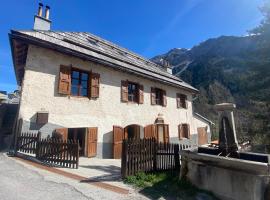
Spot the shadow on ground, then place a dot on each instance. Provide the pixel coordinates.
(112, 173)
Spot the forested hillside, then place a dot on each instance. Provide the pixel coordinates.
(231, 69)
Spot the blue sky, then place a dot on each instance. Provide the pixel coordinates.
(147, 27)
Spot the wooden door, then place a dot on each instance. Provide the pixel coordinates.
(61, 133)
(92, 133)
(202, 136)
(118, 136)
(166, 133)
(150, 131)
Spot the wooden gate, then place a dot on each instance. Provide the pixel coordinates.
(27, 142)
(92, 134)
(148, 155)
(58, 152)
(118, 136)
(202, 136)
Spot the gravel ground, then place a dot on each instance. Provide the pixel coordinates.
(23, 182)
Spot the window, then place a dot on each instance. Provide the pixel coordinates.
(163, 133)
(183, 131)
(79, 83)
(181, 101)
(158, 97)
(133, 92)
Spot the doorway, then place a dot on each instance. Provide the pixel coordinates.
(78, 134)
(202, 136)
(132, 132)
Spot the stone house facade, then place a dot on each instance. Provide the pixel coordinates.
(79, 86)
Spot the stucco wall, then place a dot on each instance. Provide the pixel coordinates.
(39, 92)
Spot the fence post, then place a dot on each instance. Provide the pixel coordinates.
(38, 144)
(124, 159)
(176, 158)
(77, 161)
(155, 143)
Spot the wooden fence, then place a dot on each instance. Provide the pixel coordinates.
(147, 155)
(59, 152)
(51, 151)
(27, 142)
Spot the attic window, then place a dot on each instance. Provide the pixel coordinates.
(122, 53)
(91, 41)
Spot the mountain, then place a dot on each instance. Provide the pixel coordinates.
(230, 69)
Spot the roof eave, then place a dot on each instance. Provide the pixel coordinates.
(35, 41)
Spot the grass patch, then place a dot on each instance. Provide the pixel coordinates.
(166, 185)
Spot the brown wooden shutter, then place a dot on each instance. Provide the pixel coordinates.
(180, 132)
(92, 134)
(164, 98)
(166, 133)
(61, 133)
(94, 85)
(64, 85)
(141, 95)
(118, 136)
(124, 91)
(153, 96)
(188, 130)
(178, 101)
(150, 131)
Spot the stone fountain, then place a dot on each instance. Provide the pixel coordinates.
(225, 171)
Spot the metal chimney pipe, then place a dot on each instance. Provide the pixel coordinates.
(40, 6)
(47, 12)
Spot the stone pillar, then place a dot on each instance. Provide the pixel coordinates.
(227, 134)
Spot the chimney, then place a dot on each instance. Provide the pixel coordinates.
(47, 12)
(40, 22)
(40, 6)
(166, 65)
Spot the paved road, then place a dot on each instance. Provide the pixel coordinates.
(18, 182)
(22, 182)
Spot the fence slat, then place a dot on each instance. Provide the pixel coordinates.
(148, 155)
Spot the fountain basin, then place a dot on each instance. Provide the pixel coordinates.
(228, 178)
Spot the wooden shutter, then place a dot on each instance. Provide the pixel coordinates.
(141, 95)
(150, 131)
(124, 91)
(92, 134)
(118, 136)
(188, 130)
(64, 85)
(94, 85)
(180, 132)
(61, 133)
(178, 101)
(164, 98)
(153, 96)
(166, 133)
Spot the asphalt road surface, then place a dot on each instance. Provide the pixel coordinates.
(18, 182)
(21, 182)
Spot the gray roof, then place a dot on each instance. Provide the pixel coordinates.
(95, 48)
(204, 118)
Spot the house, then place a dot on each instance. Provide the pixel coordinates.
(75, 85)
(3, 96)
